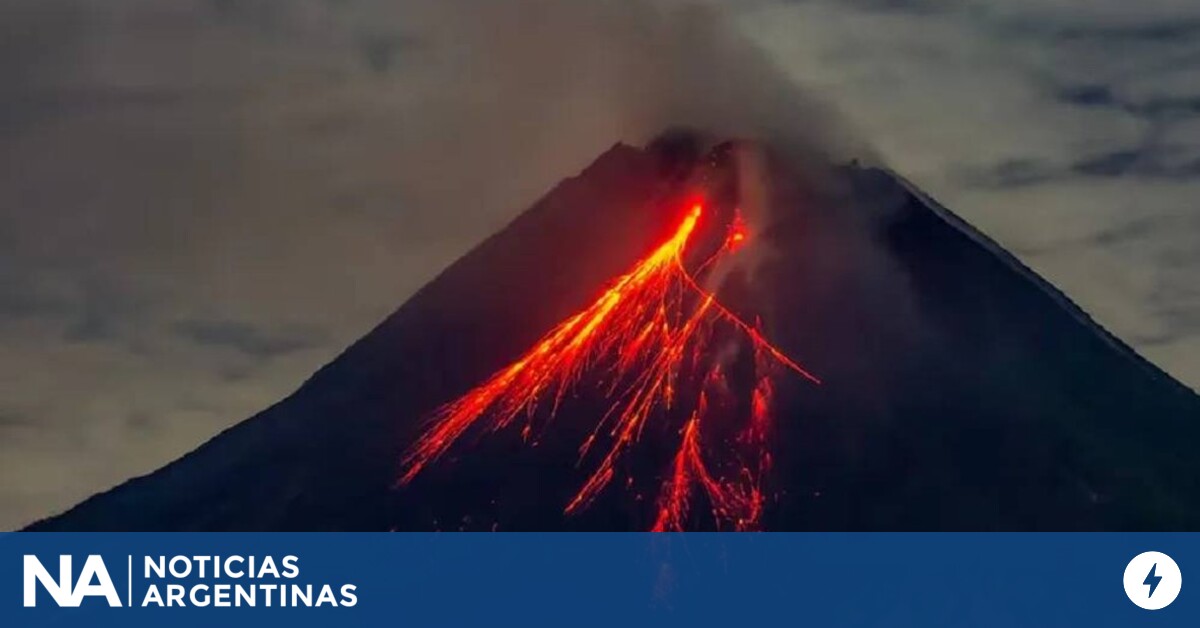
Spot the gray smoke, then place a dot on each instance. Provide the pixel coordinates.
(624, 70)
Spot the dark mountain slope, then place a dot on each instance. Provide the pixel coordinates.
(960, 390)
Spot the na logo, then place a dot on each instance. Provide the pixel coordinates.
(93, 581)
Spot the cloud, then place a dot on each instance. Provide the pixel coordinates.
(247, 338)
(202, 201)
(1008, 173)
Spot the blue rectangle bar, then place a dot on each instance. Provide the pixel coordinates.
(603, 579)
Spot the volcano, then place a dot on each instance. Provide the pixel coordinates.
(702, 335)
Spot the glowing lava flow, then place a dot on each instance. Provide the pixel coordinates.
(653, 329)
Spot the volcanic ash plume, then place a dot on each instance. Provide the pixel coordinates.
(540, 83)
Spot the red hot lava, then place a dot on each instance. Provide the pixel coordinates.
(654, 331)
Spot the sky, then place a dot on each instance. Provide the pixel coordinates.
(203, 201)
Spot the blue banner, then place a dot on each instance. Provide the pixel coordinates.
(603, 579)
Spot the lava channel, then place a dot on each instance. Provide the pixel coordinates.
(654, 330)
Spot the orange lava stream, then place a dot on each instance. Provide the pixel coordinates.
(737, 501)
(641, 330)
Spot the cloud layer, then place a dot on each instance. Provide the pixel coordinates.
(203, 201)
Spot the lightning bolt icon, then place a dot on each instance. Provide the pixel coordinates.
(1152, 580)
